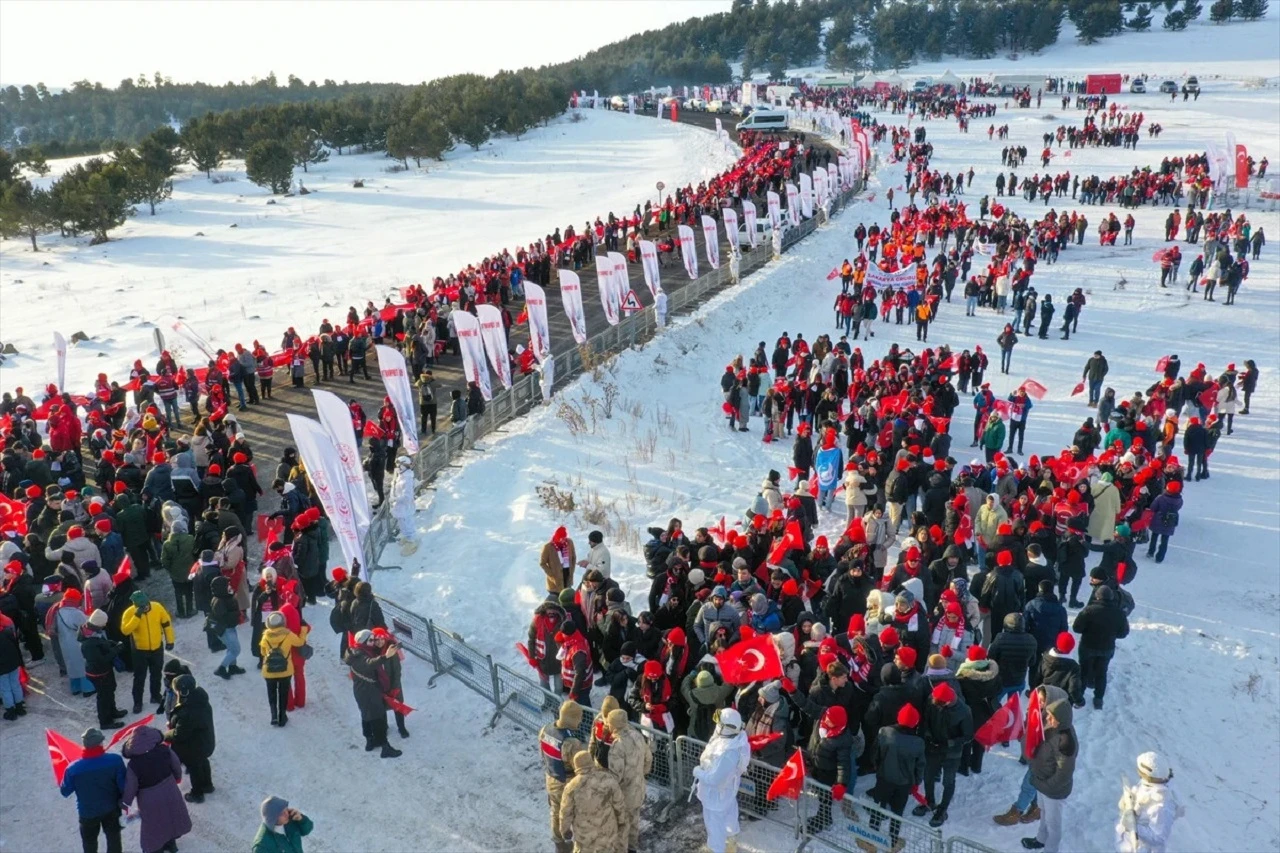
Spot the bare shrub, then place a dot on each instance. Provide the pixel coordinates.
(572, 417)
(554, 498)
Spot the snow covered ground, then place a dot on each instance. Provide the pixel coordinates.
(265, 263)
(1199, 672)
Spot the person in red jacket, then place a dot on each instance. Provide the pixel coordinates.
(575, 663)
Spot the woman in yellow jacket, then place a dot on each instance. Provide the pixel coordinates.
(277, 646)
(150, 629)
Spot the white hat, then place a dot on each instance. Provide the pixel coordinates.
(98, 619)
(730, 722)
(1154, 768)
(268, 574)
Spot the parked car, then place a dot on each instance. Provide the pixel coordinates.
(718, 107)
(617, 102)
(1192, 85)
(1169, 87)
(743, 110)
(695, 104)
(1138, 87)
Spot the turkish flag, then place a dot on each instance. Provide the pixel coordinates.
(947, 363)
(523, 318)
(1076, 390)
(1002, 407)
(1162, 364)
(854, 531)
(1242, 167)
(61, 753)
(13, 516)
(1035, 725)
(718, 533)
(791, 539)
(121, 734)
(754, 659)
(1034, 389)
(835, 273)
(790, 780)
(940, 424)
(396, 705)
(1004, 725)
(759, 742)
(524, 653)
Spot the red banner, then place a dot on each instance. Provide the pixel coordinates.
(1242, 167)
(790, 780)
(751, 660)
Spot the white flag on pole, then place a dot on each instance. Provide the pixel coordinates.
(335, 417)
(494, 336)
(395, 378)
(327, 477)
(472, 352)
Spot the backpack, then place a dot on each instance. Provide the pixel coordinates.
(1126, 601)
(275, 663)
(1169, 519)
(336, 620)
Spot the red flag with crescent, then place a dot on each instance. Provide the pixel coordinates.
(1034, 389)
(62, 752)
(1035, 725)
(790, 780)
(754, 659)
(1004, 725)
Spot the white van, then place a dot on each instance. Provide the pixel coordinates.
(775, 121)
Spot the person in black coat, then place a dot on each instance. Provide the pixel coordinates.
(100, 653)
(1058, 669)
(1099, 625)
(883, 710)
(370, 682)
(191, 735)
(1071, 556)
(1003, 592)
(1195, 443)
(848, 596)
(979, 681)
(946, 727)
(829, 762)
(1013, 650)
(1045, 618)
(363, 611)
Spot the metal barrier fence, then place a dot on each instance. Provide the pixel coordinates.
(959, 844)
(752, 790)
(842, 825)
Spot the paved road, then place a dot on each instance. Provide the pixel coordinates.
(269, 432)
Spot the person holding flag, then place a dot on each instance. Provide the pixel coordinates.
(97, 779)
(717, 777)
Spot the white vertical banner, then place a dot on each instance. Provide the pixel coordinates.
(608, 295)
(775, 210)
(719, 128)
(60, 349)
(327, 477)
(472, 352)
(833, 179)
(712, 240)
(335, 417)
(845, 182)
(649, 261)
(820, 187)
(395, 377)
(571, 296)
(806, 195)
(793, 204)
(631, 104)
(688, 250)
(749, 215)
(494, 336)
(621, 280)
(660, 106)
(535, 303)
(731, 227)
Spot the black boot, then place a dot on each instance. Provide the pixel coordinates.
(389, 751)
(403, 731)
(21, 708)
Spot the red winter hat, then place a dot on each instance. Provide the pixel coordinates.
(34, 492)
(820, 542)
(857, 624)
(835, 718)
(339, 575)
(903, 465)
(943, 694)
(75, 532)
(239, 458)
(119, 487)
(908, 716)
(1065, 643)
(790, 587)
(38, 453)
(1005, 529)
(953, 609)
(825, 659)
(977, 653)
(758, 522)
(652, 669)
(73, 596)
(1173, 487)
(959, 502)
(159, 458)
(215, 469)
(102, 525)
(1074, 497)
(907, 655)
(913, 554)
(889, 638)
(940, 465)
(1004, 558)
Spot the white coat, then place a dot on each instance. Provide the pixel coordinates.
(1147, 813)
(402, 494)
(720, 770)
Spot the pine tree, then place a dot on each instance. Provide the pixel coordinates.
(1170, 5)
(306, 147)
(1141, 20)
(33, 160)
(1096, 20)
(1191, 10)
(777, 67)
(1221, 11)
(150, 169)
(1251, 10)
(1175, 20)
(24, 211)
(269, 163)
(92, 197)
(201, 146)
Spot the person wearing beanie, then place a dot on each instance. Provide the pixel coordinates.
(97, 779)
(830, 749)
(630, 760)
(100, 652)
(1003, 592)
(1050, 772)
(703, 697)
(263, 601)
(899, 758)
(150, 631)
(947, 727)
(68, 618)
(282, 828)
(1014, 651)
(558, 743)
(593, 808)
(176, 556)
(1164, 519)
(979, 683)
(558, 561)
(276, 652)
(1059, 669)
(191, 734)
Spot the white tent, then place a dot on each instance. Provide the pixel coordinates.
(948, 79)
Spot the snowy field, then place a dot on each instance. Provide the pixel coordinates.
(1199, 672)
(261, 266)
(1197, 679)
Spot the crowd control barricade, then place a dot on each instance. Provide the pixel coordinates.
(464, 663)
(842, 825)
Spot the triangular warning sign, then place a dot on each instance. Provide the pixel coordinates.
(631, 303)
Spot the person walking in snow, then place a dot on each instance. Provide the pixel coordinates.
(559, 743)
(151, 777)
(718, 775)
(97, 779)
(1148, 810)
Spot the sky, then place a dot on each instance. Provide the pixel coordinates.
(386, 42)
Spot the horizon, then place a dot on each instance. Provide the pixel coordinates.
(103, 42)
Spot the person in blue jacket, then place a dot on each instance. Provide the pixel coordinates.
(1019, 408)
(98, 781)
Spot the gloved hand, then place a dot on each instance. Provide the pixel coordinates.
(168, 647)
(837, 792)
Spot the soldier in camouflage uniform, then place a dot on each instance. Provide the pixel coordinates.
(559, 744)
(630, 761)
(593, 809)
